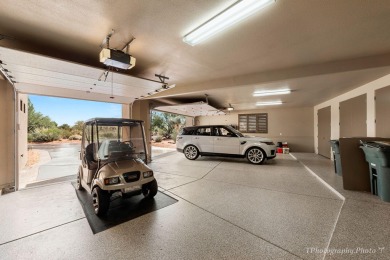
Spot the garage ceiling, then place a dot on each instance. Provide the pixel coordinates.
(319, 48)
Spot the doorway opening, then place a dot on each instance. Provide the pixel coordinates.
(164, 129)
(50, 136)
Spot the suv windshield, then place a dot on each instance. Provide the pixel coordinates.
(120, 141)
(238, 133)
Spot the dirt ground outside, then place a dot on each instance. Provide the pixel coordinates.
(62, 141)
(164, 144)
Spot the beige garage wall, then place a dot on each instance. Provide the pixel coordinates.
(22, 129)
(140, 110)
(7, 135)
(369, 90)
(189, 121)
(292, 125)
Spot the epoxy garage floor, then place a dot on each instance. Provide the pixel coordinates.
(226, 209)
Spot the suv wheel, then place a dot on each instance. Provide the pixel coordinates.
(150, 189)
(101, 201)
(255, 155)
(191, 152)
(78, 183)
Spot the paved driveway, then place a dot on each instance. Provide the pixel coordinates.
(64, 160)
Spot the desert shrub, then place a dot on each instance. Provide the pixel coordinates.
(29, 137)
(41, 135)
(161, 132)
(65, 133)
(65, 127)
(77, 129)
(158, 139)
(174, 135)
(75, 137)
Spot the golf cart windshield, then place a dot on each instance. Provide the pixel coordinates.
(120, 140)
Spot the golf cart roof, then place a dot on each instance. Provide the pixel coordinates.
(111, 121)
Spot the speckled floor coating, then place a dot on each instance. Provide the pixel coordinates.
(227, 209)
(363, 227)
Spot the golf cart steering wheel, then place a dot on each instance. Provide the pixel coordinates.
(130, 143)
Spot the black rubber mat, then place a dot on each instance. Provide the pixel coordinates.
(121, 210)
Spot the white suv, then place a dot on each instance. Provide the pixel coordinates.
(221, 140)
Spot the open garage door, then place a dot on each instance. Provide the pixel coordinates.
(192, 109)
(36, 74)
(41, 75)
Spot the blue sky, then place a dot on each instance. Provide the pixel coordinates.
(68, 111)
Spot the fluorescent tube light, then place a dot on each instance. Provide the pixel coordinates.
(230, 109)
(233, 14)
(271, 92)
(269, 103)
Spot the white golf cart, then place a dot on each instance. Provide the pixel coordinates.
(113, 160)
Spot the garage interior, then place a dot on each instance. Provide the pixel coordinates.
(332, 56)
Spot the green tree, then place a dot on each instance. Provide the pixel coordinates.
(64, 127)
(157, 121)
(36, 120)
(77, 128)
(166, 124)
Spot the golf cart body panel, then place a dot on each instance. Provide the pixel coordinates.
(113, 159)
(127, 179)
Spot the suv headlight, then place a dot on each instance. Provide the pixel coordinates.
(148, 174)
(111, 181)
(268, 143)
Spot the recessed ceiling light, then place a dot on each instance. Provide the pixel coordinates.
(271, 92)
(233, 14)
(269, 103)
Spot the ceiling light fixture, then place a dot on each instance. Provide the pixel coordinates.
(269, 103)
(231, 15)
(230, 108)
(271, 92)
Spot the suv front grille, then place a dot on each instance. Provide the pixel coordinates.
(131, 176)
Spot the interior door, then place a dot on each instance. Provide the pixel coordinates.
(353, 117)
(203, 139)
(382, 111)
(324, 116)
(225, 141)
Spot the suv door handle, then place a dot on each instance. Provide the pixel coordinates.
(196, 137)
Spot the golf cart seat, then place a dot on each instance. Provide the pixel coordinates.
(92, 164)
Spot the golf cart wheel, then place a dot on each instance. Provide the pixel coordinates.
(255, 155)
(150, 189)
(101, 201)
(191, 152)
(78, 183)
